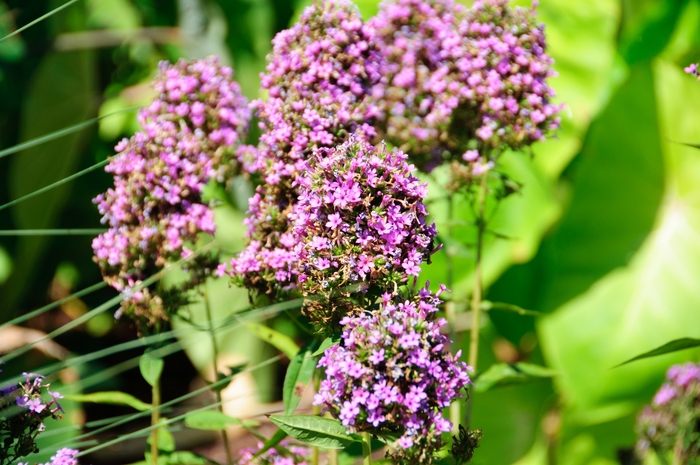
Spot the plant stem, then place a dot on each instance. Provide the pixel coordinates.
(316, 411)
(476, 293)
(333, 456)
(155, 419)
(451, 314)
(366, 448)
(215, 357)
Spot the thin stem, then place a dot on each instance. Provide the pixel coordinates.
(155, 419)
(333, 456)
(476, 293)
(56, 184)
(215, 357)
(51, 232)
(38, 20)
(477, 290)
(451, 313)
(316, 411)
(366, 448)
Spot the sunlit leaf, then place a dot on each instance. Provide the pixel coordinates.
(214, 420)
(151, 367)
(503, 374)
(324, 433)
(649, 302)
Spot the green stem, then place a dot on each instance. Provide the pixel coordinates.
(316, 411)
(215, 357)
(476, 293)
(333, 456)
(477, 289)
(366, 449)
(155, 419)
(451, 314)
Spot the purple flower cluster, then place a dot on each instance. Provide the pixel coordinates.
(669, 424)
(421, 87)
(295, 455)
(391, 373)
(692, 69)
(63, 456)
(192, 135)
(464, 85)
(360, 218)
(319, 79)
(22, 414)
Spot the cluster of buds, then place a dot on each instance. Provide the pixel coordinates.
(360, 221)
(192, 135)
(669, 426)
(291, 455)
(464, 85)
(22, 414)
(392, 374)
(319, 79)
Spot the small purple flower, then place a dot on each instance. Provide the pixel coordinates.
(669, 424)
(401, 351)
(381, 234)
(288, 454)
(192, 134)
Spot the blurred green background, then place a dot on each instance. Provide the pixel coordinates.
(604, 238)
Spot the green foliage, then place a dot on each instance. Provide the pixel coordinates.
(299, 372)
(111, 397)
(502, 374)
(324, 433)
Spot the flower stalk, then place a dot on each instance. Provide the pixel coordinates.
(215, 357)
(366, 448)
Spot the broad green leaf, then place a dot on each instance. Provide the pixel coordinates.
(327, 342)
(280, 341)
(668, 348)
(151, 367)
(299, 372)
(652, 300)
(645, 34)
(324, 433)
(617, 189)
(61, 93)
(503, 374)
(111, 397)
(213, 420)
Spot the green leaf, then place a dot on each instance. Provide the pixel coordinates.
(503, 374)
(324, 433)
(327, 342)
(276, 438)
(61, 93)
(151, 367)
(652, 300)
(649, 28)
(111, 397)
(275, 338)
(618, 187)
(668, 348)
(166, 441)
(299, 372)
(214, 420)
